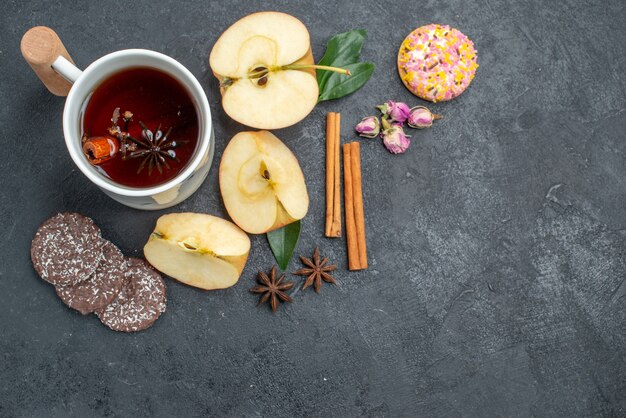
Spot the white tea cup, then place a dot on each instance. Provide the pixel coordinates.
(49, 59)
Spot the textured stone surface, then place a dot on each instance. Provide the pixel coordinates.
(496, 244)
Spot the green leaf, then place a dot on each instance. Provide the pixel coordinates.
(339, 85)
(283, 242)
(342, 49)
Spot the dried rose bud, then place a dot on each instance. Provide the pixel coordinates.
(420, 117)
(395, 111)
(369, 127)
(394, 138)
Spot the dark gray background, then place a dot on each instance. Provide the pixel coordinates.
(496, 243)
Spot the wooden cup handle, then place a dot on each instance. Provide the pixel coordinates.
(41, 46)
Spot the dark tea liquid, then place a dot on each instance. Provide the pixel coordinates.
(154, 98)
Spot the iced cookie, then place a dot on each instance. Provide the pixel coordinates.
(437, 62)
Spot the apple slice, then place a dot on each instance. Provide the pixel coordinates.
(286, 98)
(266, 70)
(197, 249)
(275, 37)
(261, 183)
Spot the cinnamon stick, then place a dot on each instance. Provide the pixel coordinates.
(357, 200)
(330, 173)
(333, 182)
(335, 229)
(99, 149)
(351, 237)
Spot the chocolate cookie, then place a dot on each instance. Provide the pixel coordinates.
(140, 302)
(66, 249)
(102, 287)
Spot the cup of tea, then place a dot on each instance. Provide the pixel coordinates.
(136, 122)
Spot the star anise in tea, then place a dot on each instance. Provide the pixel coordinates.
(155, 148)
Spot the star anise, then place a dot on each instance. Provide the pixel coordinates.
(272, 289)
(317, 271)
(154, 147)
